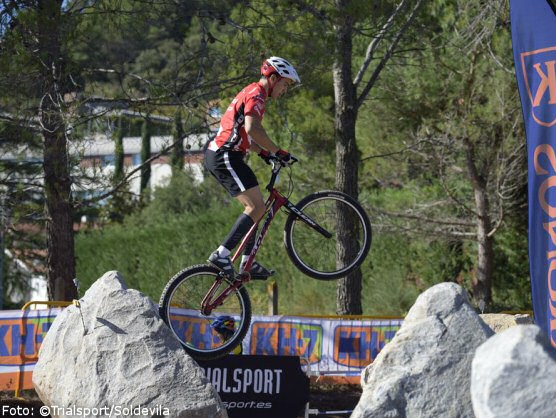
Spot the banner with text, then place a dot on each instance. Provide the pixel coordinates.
(21, 335)
(259, 386)
(533, 24)
(325, 346)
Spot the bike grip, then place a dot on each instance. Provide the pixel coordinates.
(266, 156)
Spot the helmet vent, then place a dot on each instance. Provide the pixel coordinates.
(281, 66)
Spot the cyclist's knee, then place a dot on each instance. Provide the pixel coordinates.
(255, 211)
(253, 202)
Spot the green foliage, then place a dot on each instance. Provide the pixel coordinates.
(181, 227)
(458, 87)
(511, 283)
(183, 197)
(153, 49)
(441, 86)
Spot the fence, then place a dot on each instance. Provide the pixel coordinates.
(334, 346)
(21, 335)
(340, 346)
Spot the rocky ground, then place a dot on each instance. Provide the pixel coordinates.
(28, 405)
(323, 397)
(332, 397)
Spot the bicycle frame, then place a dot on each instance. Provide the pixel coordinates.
(274, 202)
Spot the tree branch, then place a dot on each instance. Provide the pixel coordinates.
(308, 8)
(373, 45)
(26, 122)
(390, 154)
(436, 221)
(387, 55)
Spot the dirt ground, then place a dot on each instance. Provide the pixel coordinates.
(26, 406)
(323, 397)
(331, 397)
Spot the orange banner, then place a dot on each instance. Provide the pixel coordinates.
(337, 346)
(21, 335)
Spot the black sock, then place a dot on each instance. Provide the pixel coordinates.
(238, 231)
(250, 243)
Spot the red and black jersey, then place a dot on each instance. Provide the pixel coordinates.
(232, 136)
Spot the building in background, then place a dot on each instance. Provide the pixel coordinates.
(98, 158)
(97, 148)
(93, 145)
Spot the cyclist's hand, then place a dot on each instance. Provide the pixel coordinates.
(266, 156)
(284, 156)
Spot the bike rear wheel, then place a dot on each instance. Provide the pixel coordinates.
(181, 306)
(347, 240)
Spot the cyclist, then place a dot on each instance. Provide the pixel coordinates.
(241, 132)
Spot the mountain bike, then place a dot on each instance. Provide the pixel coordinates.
(327, 236)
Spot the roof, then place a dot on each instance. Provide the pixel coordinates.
(100, 144)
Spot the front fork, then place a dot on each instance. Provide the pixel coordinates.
(210, 302)
(293, 209)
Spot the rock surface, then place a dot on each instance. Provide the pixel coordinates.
(513, 375)
(115, 351)
(425, 371)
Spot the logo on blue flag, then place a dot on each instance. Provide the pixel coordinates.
(539, 70)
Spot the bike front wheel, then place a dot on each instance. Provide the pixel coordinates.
(205, 335)
(329, 237)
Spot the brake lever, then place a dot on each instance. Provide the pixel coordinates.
(291, 161)
(273, 160)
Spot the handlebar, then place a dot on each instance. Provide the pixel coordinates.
(273, 159)
(277, 164)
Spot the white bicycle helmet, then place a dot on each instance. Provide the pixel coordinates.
(281, 66)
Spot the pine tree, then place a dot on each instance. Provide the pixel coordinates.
(122, 202)
(145, 155)
(60, 59)
(177, 151)
(119, 152)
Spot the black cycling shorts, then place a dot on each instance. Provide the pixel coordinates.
(230, 170)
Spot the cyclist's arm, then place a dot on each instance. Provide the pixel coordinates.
(256, 131)
(256, 148)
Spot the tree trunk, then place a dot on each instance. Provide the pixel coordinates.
(145, 155)
(348, 292)
(177, 151)
(119, 154)
(482, 282)
(57, 181)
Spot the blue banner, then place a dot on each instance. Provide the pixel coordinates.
(534, 45)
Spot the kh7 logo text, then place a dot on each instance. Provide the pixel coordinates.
(358, 346)
(287, 339)
(539, 73)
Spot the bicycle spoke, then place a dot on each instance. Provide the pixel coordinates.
(194, 329)
(327, 258)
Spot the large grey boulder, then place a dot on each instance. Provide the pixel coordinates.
(425, 371)
(513, 375)
(115, 351)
